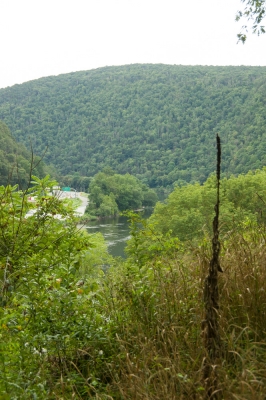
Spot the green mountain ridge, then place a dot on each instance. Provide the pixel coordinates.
(157, 122)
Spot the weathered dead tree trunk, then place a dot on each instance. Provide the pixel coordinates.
(210, 326)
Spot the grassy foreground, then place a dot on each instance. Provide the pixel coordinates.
(68, 331)
(154, 349)
(142, 337)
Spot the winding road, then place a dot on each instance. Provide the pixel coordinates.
(81, 209)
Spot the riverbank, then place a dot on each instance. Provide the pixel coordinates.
(86, 218)
(115, 230)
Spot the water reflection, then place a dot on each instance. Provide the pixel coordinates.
(116, 233)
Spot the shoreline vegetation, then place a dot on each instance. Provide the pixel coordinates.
(87, 218)
(110, 194)
(71, 328)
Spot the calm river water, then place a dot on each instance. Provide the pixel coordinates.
(115, 231)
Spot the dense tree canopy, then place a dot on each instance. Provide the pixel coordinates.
(110, 193)
(15, 161)
(157, 122)
(189, 210)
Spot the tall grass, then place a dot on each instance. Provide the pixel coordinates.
(144, 335)
(151, 345)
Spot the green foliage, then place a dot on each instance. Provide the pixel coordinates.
(154, 307)
(108, 206)
(76, 181)
(149, 198)
(147, 244)
(43, 300)
(188, 212)
(111, 193)
(67, 330)
(15, 161)
(96, 257)
(156, 122)
(254, 11)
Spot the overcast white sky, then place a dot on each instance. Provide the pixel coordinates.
(49, 37)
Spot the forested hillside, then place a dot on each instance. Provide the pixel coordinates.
(157, 122)
(15, 161)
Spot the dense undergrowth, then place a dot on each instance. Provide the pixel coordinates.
(68, 331)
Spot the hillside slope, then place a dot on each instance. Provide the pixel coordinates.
(15, 161)
(157, 122)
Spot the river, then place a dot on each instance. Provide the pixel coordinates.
(115, 231)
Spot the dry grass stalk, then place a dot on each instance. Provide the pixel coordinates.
(210, 324)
